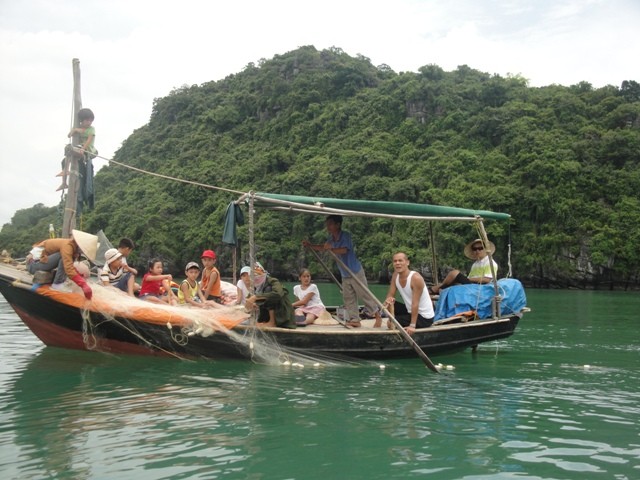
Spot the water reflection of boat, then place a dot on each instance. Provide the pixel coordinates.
(64, 403)
(66, 320)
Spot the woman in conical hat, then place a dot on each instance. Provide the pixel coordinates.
(60, 253)
(87, 243)
(480, 270)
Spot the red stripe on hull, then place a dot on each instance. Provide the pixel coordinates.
(53, 335)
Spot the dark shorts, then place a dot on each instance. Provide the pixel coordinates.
(215, 299)
(461, 280)
(404, 317)
(122, 282)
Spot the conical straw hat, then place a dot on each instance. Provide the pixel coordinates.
(491, 248)
(87, 243)
(325, 318)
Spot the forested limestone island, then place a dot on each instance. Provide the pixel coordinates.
(563, 161)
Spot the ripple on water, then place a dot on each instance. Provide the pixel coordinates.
(523, 408)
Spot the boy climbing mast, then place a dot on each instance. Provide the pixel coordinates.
(87, 135)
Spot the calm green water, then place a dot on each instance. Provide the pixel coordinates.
(526, 407)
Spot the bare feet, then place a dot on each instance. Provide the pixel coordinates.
(354, 323)
(378, 322)
(270, 323)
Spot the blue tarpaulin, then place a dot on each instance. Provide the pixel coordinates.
(462, 298)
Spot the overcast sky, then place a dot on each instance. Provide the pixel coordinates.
(134, 51)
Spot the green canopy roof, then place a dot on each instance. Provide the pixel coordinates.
(414, 211)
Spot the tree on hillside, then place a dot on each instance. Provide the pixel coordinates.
(563, 161)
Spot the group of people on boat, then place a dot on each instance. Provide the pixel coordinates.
(270, 301)
(272, 298)
(157, 287)
(416, 309)
(62, 256)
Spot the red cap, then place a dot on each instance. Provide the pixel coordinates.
(208, 254)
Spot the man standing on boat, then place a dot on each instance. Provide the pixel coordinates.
(417, 309)
(340, 243)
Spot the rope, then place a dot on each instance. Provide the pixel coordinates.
(73, 117)
(509, 273)
(91, 342)
(167, 177)
(88, 338)
(482, 234)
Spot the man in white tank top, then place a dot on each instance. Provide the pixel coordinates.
(417, 309)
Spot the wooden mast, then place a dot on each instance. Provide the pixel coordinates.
(73, 180)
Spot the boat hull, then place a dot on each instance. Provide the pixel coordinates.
(60, 325)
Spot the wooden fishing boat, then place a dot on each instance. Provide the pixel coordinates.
(67, 320)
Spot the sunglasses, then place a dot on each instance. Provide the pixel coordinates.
(477, 249)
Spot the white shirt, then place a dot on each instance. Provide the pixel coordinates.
(244, 291)
(312, 288)
(425, 307)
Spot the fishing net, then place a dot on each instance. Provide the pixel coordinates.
(185, 332)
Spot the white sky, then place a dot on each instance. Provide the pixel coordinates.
(132, 51)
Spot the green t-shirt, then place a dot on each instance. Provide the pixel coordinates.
(88, 132)
(481, 268)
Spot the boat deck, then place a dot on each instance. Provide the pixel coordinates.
(17, 272)
(458, 321)
(23, 279)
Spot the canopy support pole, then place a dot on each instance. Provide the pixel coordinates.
(434, 263)
(252, 255)
(340, 320)
(495, 304)
(324, 265)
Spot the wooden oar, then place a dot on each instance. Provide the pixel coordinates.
(340, 320)
(399, 327)
(325, 267)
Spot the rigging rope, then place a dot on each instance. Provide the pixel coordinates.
(510, 272)
(168, 177)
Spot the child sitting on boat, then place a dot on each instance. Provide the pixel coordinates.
(125, 247)
(243, 285)
(189, 292)
(114, 274)
(156, 286)
(309, 306)
(210, 281)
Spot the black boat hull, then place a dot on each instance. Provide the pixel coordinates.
(60, 325)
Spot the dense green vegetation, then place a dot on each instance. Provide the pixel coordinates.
(563, 161)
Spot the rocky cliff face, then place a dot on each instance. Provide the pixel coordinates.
(582, 273)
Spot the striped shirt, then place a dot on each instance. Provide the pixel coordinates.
(108, 276)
